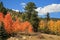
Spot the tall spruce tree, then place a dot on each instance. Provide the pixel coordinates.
(48, 16)
(46, 26)
(31, 15)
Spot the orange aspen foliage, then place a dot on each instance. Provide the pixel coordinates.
(30, 28)
(1, 16)
(16, 26)
(8, 23)
(26, 26)
(21, 26)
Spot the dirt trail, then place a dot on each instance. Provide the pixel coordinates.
(40, 36)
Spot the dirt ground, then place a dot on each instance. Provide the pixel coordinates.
(40, 36)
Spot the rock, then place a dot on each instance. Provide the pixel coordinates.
(24, 37)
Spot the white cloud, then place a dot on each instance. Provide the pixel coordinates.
(15, 10)
(48, 8)
(23, 5)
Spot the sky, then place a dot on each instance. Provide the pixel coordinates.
(43, 6)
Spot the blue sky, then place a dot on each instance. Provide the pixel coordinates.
(18, 5)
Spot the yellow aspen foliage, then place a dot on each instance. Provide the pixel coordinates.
(57, 25)
(42, 24)
(51, 24)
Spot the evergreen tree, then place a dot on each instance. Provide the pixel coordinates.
(31, 15)
(3, 9)
(3, 34)
(46, 26)
(47, 16)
